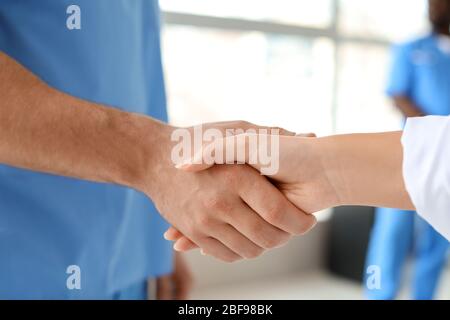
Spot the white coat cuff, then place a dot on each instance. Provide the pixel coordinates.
(426, 169)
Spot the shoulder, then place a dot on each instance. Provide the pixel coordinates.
(414, 44)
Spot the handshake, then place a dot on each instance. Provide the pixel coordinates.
(233, 200)
(231, 197)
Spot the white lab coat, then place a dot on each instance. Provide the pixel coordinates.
(426, 169)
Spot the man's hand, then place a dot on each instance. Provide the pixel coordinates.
(231, 212)
(178, 284)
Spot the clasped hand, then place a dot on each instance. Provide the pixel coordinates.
(265, 211)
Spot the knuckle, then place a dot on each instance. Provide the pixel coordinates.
(265, 241)
(190, 229)
(216, 202)
(275, 213)
(243, 124)
(256, 228)
(205, 221)
(279, 129)
(231, 175)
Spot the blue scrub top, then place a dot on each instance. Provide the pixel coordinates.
(48, 222)
(421, 71)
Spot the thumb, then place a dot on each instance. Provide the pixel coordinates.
(218, 152)
(306, 135)
(197, 163)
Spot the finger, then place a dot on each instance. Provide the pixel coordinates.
(265, 199)
(215, 248)
(244, 125)
(213, 153)
(204, 158)
(246, 222)
(306, 135)
(283, 132)
(183, 244)
(164, 290)
(238, 243)
(255, 228)
(272, 131)
(172, 234)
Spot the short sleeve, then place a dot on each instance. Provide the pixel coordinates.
(400, 80)
(426, 169)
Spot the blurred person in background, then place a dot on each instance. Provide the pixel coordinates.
(419, 85)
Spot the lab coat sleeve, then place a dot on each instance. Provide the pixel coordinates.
(426, 169)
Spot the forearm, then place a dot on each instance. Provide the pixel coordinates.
(366, 169)
(407, 107)
(46, 130)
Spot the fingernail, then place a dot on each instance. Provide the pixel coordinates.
(166, 236)
(175, 247)
(203, 253)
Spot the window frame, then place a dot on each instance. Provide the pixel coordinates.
(238, 24)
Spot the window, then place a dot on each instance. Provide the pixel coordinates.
(264, 78)
(316, 66)
(361, 103)
(386, 19)
(315, 13)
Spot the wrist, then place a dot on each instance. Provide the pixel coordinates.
(146, 147)
(365, 169)
(310, 169)
(332, 168)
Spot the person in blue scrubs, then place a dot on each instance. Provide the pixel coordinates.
(419, 85)
(106, 52)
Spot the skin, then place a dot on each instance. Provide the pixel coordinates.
(316, 174)
(178, 284)
(232, 212)
(439, 17)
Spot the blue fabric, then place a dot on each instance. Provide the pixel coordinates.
(420, 71)
(47, 222)
(136, 291)
(395, 235)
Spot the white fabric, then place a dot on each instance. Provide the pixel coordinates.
(426, 169)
